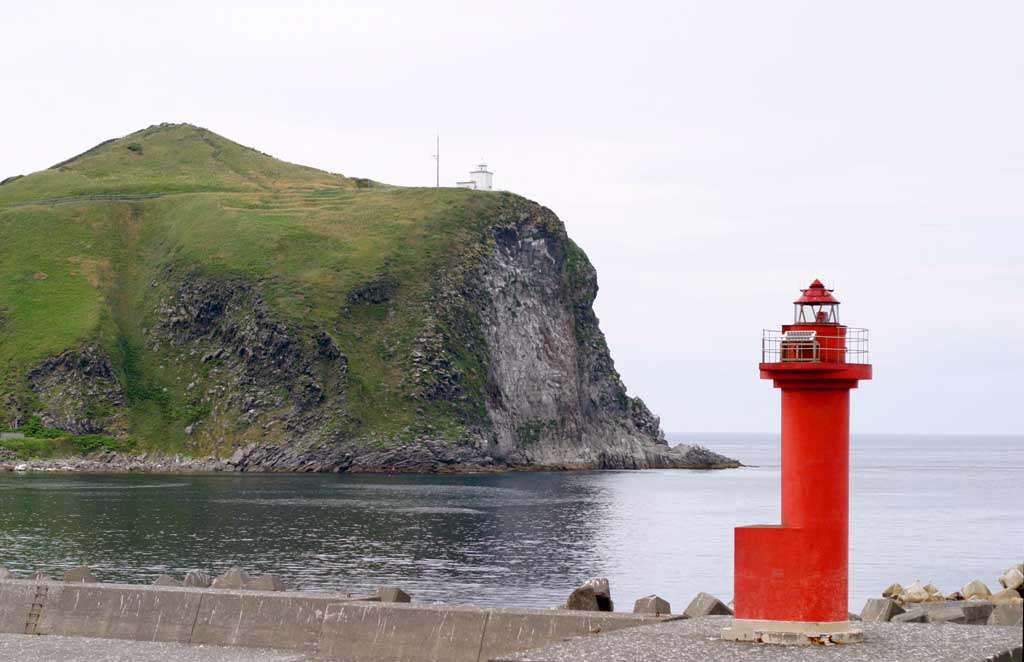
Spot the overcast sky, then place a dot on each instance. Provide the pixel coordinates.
(711, 157)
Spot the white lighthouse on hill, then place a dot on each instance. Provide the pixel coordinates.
(479, 179)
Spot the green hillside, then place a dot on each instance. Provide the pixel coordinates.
(310, 249)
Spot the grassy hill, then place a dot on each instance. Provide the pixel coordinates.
(175, 291)
(76, 269)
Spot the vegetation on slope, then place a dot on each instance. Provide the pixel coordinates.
(89, 270)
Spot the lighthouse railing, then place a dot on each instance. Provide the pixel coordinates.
(847, 346)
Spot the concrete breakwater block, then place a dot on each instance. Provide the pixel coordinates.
(1009, 615)
(238, 579)
(16, 600)
(591, 595)
(118, 611)
(402, 633)
(652, 604)
(697, 639)
(1007, 596)
(334, 627)
(522, 629)
(880, 609)
(80, 574)
(977, 613)
(705, 604)
(166, 580)
(235, 578)
(370, 632)
(912, 616)
(392, 594)
(265, 583)
(197, 579)
(261, 620)
(974, 612)
(1013, 578)
(975, 589)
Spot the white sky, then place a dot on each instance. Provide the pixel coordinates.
(711, 157)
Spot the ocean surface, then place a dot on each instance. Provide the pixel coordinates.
(940, 508)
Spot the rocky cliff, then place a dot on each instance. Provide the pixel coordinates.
(206, 299)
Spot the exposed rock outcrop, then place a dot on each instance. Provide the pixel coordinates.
(78, 391)
(252, 366)
(553, 396)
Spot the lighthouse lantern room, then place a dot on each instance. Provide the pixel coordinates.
(816, 305)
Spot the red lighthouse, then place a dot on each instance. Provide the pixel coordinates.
(791, 579)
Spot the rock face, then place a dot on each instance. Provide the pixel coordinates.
(553, 395)
(255, 363)
(78, 391)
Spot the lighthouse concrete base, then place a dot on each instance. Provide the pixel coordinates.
(792, 633)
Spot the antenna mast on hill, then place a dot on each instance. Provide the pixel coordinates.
(437, 160)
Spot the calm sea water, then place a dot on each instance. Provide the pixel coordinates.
(945, 509)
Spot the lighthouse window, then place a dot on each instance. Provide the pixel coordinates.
(816, 314)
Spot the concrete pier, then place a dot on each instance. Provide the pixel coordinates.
(49, 620)
(313, 626)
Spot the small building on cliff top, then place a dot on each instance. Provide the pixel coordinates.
(479, 179)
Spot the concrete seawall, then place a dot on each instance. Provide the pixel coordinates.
(329, 627)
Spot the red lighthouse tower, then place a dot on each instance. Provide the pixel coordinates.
(791, 579)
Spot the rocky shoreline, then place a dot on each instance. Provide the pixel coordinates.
(424, 457)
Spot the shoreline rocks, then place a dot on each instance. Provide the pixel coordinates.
(420, 458)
